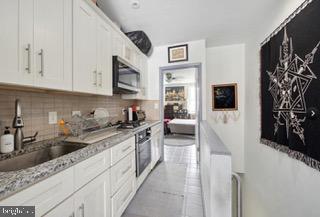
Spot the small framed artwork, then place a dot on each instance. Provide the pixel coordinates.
(178, 53)
(225, 97)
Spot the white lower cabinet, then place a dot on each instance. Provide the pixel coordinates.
(155, 145)
(89, 189)
(122, 171)
(122, 198)
(86, 170)
(65, 209)
(44, 195)
(118, 152)
(93, 200)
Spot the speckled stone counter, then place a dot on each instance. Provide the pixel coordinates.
(15, 181)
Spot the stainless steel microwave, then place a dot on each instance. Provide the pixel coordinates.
(126, 78)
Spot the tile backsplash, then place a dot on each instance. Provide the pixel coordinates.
(151, 107)
(37, 105)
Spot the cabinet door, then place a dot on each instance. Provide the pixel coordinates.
(122, 171)
(122, 198)
(65, 209)
(118, 45)
(85, 73)
(128, 53)
(137, 60)
(94, 198)
(16, 41)
(144, 76)
(104, 58)
(52, 34)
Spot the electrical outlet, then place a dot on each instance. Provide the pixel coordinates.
(76, 113)
(156, 106)
(53, 117)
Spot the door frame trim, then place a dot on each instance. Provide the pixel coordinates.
(199, 100)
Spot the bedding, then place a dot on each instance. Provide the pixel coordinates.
(182, 126)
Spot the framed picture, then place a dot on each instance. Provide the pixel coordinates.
(224, 97)
(175, 93)
(178, 53)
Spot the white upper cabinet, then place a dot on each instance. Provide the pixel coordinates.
(84, 48)
(128, 52)
(35, 43)
(61, 45)
(92, 55)
(53, 44)
(118, 45)
(104, 58)
(16, 42)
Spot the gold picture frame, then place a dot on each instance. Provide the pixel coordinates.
(225, 97)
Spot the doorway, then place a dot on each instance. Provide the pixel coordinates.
(180, 113)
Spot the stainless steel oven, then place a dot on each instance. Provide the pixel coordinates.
(126, 78)
(143, 150)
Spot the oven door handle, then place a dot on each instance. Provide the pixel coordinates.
(148, 140)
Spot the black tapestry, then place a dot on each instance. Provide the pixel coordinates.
(290, 86)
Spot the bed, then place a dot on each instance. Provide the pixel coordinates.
(182, 126)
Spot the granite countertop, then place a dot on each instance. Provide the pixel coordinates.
(15, 181)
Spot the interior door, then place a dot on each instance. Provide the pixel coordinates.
(104, 58)
(16, 41)
(94, 199)
(85, 77)
(51, 51)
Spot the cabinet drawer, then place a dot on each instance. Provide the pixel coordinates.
(65, 209)
(123, 149)
(90, 168)
(122, 171)
(122, 198)
(46, 194)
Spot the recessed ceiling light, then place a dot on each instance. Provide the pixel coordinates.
(135, 4)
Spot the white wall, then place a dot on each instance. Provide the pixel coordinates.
(275, 185)
(226, 64)
(159, 58)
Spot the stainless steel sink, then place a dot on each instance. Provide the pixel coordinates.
(35, 158)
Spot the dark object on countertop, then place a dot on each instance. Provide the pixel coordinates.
(141, 40)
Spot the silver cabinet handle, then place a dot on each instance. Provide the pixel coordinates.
(100, 74)
(82, 209)
(95, 78)
(41, 54)
(28, 49)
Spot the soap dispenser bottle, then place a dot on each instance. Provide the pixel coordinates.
(7, 142)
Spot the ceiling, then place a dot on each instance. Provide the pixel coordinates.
(172, 21)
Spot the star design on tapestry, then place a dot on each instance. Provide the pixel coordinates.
(288, 84)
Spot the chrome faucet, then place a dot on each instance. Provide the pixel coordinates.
(18, 124)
